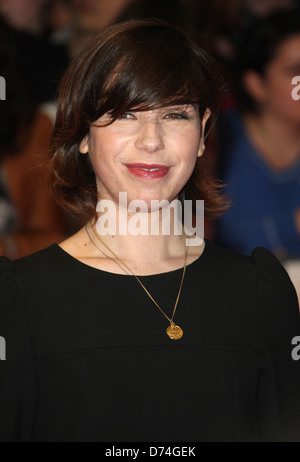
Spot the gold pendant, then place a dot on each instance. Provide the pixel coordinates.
(174, 332)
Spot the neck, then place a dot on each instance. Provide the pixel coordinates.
(282, 131)
(276, 138)
(148, 237)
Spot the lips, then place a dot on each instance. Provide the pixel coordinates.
(147, 171)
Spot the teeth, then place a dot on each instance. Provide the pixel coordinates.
(150, 169)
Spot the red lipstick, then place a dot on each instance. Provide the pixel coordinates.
(147, 171)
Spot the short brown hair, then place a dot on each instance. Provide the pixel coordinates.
(134, 65)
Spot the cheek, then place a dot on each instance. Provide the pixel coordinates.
(102, 146)
(187, 145)
(293, 111)
(99, 157)
(106, 150)
(280, 94)
(279, 88)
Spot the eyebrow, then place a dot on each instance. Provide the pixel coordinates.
(185, 106)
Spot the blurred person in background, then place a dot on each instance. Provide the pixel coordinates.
(24, 15)
(217, 23)
(221, 24)
(53, 32)
(29, 217)
(89, 17)
(260, 143)
(41, 63)
(59, 19)
(50, 33)
(262, 8)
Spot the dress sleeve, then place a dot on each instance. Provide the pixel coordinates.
(18, 388)
(279, 392)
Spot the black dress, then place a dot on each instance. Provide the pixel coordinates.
(88, 358)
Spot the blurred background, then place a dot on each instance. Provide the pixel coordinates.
(254, 149)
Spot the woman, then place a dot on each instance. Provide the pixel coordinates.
(88, 354)
(260, 143)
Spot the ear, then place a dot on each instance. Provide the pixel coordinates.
(84, 146)
(205, 118)
(255, 86)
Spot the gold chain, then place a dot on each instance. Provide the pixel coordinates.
(139, 281)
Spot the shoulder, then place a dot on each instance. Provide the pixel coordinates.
(260, 275)
(30, 264)
(276, 295)
(36, 277)
(38, 264)
(9, 290)
(268, 266)
(272, 276)
(6, 271)
(224, 261)
(262, 263)
(31, 269)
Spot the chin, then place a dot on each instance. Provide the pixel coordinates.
(146, 203)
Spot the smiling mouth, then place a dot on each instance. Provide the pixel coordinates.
(148, 171)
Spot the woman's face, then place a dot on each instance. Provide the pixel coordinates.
(149, 155)
(275, 87)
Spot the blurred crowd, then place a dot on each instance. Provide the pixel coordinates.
(254, 149)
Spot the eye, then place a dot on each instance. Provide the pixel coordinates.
(177, 116)
(126, 116)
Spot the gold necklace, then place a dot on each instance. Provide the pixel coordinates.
(174, 332)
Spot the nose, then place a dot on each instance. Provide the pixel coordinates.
(150, 137)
